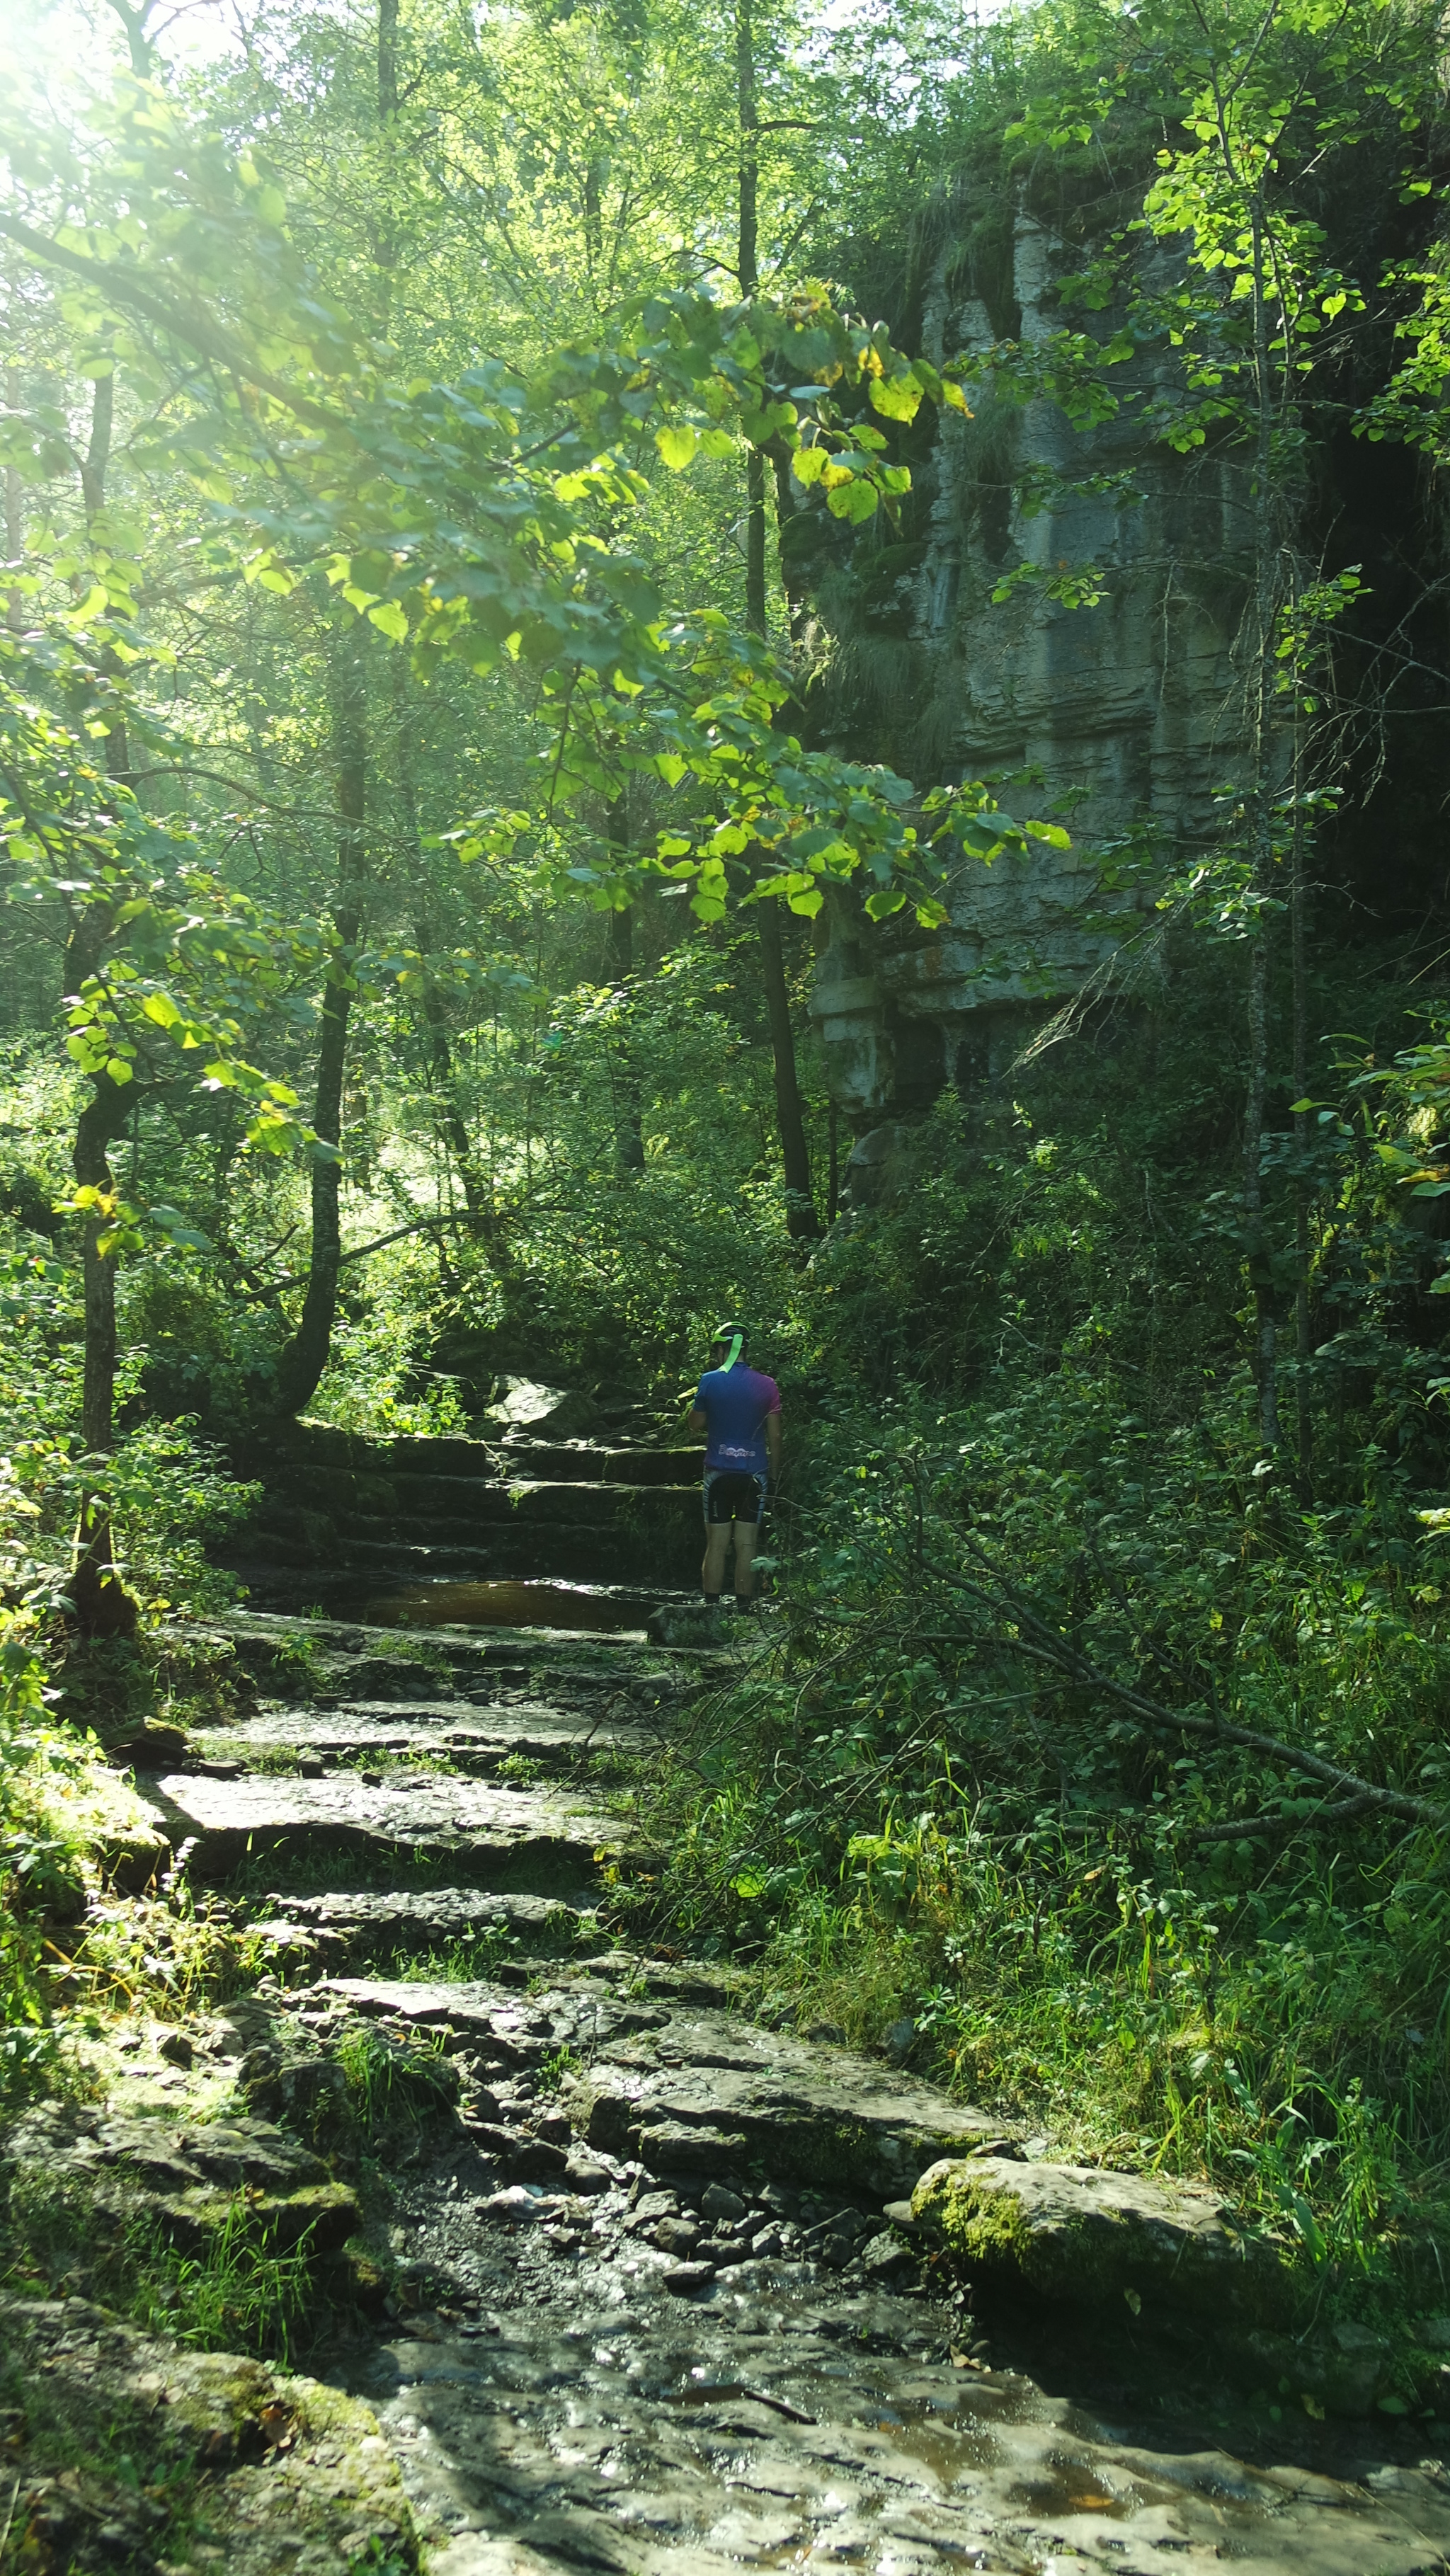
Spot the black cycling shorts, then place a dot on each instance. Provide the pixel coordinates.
(731, 1496)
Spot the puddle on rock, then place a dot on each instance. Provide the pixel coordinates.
(609, 1609)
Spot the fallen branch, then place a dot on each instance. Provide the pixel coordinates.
(1043, 1644)
(1241, 1827)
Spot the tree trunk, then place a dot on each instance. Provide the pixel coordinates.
(628, 1117)
(94, 465)
(800, 1207)
(1261, 861)
(14, 516)
(477, 1194)
(103, 1607)
(387, 60)
(138, 43)
(305, 1355)
(1299, 963)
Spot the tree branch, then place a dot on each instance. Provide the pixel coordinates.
(115, 283)
(1043, 1644)
(420, 1225)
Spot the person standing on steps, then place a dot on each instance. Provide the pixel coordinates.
(739, 1412)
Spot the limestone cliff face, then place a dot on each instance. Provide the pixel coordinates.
(1127, 715)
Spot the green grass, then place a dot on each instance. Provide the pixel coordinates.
(242, 2294)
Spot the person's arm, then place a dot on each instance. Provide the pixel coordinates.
(772, 1444)
(698, 1420)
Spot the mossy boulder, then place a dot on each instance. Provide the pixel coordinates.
(126, 2451)
(1101, 2241)
(323, 2218)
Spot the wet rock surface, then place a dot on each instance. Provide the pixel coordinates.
(647, 2284)
(582, 2393)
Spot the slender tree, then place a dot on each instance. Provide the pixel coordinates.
(795, 1157)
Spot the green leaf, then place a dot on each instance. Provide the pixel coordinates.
(390, 620)
(677, 446)
(853, 501)
(895, 397)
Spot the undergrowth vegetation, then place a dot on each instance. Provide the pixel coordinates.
(1097, 1766)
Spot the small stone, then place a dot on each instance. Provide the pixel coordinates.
(719, 2202)
(901, 2214)
(674, 2146)
(177, 2048)
(585, 2176)
(516, 2205)
(900, 2039)
(535, 2160)
(767, 2244)
(678, 2236)
(685, 2278)
(884, 2255)
(311, 1766)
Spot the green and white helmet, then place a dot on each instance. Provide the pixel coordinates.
(732, 1334)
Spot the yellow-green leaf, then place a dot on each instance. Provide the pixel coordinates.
(895, 397)
(676, 445)
(853, 501)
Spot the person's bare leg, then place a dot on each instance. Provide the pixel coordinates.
(746, 1534)
(717, 1543)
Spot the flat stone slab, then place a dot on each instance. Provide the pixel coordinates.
(357, 1659)
(159, 2154)
(522, 2031)
(1094, 2239)
(814, 2113)
(359, 1926)
(535, 1838)
(703, 2434)
(451, 1729)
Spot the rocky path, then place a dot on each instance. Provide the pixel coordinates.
(653, 2297)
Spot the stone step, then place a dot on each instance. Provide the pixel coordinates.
(643, 1508)
(352, 1659)
(512, 1472)
(538, 1841)
(524, 1602)
(587, 1462)
(469, 1737)
(516, 1553)
(342, 1926)
(695, 2091)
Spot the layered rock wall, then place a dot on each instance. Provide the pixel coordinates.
(1121, 719)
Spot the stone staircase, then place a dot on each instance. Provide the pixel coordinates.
(527, 1529)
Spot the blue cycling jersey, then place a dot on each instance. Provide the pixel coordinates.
(736, 1404)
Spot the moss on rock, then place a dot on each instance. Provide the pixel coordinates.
(1092, 2239)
